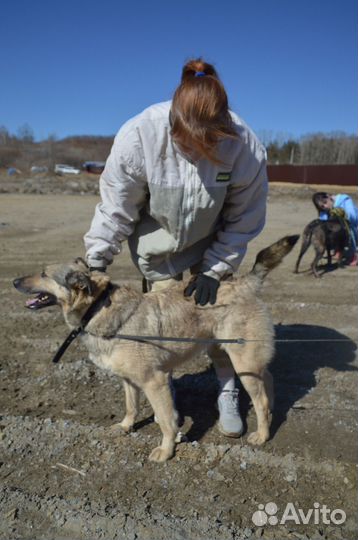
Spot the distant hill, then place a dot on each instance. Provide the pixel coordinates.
(23, 154)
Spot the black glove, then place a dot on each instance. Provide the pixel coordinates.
(205, 288)
(97, 269)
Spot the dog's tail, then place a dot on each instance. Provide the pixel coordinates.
(270, 257)
(306, 240)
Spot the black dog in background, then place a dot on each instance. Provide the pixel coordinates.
(330, 235)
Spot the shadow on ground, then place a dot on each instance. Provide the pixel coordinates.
(300, 351)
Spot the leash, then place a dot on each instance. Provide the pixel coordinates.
(61, 351)
(237, 341)
(200, 341)
(84, 321)
(147, 339)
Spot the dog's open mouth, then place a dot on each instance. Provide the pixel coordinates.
(41, 300)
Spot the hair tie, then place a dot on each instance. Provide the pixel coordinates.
(200, 74)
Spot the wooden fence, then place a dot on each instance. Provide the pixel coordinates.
(340, 175)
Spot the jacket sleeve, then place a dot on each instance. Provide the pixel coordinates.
(350, 210)
(123, 190)
(243, 216)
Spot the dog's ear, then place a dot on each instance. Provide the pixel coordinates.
(79, 280)
(82, 261)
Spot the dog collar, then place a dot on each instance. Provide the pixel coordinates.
(92, 310)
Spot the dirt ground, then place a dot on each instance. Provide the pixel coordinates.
(64, 477)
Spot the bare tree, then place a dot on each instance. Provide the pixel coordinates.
(328, 149)
(25, 133)
(4, 135)
(51, 150)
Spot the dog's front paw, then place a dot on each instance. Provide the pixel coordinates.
(160, 454)
(120, 428)
(257, 438)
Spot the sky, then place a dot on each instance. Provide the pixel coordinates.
(84, 67)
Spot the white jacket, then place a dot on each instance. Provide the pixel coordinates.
(175, 213)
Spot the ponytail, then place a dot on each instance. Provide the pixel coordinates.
(200, 112)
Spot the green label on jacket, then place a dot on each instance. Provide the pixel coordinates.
(223, 176)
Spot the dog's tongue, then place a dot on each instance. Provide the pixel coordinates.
(41, 300)
(32, 302)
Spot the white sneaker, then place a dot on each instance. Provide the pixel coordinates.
(230, 423)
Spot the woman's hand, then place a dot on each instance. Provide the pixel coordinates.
(205, 288)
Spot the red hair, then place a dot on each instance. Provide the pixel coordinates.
(200, 111)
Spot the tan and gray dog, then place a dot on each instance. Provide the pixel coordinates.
(105, 311)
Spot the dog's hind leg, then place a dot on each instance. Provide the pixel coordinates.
(158, 392)
(319, 254)
(268, 382)
(329, 249)
(255, 387)
(319, 244)
(258, 383)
